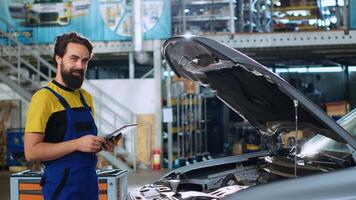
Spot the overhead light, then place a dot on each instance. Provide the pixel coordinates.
(281, 70)
(298, 70)
(324, 69)
(352, 69)
(312, 69)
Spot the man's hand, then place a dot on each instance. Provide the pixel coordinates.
(110, 143)
(90, 143)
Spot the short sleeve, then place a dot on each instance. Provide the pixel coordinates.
(39, 111)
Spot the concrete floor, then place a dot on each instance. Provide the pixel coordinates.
(135, 180)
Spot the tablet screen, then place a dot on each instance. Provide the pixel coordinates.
(124, 129)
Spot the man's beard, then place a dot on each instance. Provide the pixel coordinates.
(72, 81)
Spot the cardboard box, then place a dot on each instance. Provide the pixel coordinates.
(337, 108)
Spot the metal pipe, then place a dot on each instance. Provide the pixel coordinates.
(184, 18)
(200, 123)
(205, 125)
(195, 128)
(178, 125)
(169, 104)
(183, 124)
(191, 122)
(232, 16)
(296, 135)
(131, 66)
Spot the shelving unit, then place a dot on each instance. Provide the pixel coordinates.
(203, 16)
(254, 15)
(189, 127)
(331, 14)
(295, 18)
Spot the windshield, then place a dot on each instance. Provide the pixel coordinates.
(321, 143)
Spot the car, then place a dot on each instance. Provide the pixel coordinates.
(322, 168)
(48, 12)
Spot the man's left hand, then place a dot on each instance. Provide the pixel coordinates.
(110, 143)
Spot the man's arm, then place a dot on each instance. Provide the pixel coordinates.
(38, 150)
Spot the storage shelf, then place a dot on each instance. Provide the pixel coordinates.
(290, 8)
(202, 18)
(296, 18)
(204, 2)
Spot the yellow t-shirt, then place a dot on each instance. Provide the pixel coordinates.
(47, 115)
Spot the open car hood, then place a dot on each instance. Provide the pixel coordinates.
(249, 88)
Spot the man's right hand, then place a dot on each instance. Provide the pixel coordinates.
(90, 143)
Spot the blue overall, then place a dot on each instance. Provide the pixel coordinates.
(72, 176)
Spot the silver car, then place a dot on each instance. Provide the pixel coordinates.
(323, 168)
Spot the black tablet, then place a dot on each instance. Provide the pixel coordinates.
(121, 130)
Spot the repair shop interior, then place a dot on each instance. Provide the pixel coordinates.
(205, 99)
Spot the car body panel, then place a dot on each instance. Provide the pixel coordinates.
(217, 162)
(335, 185)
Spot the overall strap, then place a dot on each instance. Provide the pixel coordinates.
(59, 97)
(82, 99)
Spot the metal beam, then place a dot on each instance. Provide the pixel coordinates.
(293, 39)
(157, 65)
(239, 41)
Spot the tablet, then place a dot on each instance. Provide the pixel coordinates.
(121, 130)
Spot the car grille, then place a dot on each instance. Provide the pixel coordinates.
(48, 17)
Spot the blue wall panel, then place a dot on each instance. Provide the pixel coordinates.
(352, 14)
(99, 20)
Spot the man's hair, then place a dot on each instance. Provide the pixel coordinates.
(62, 41)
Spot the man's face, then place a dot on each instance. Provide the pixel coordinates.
(73, 65)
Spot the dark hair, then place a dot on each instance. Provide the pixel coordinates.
(62, 41)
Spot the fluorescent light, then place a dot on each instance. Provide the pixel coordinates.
(313, 69)
(281, 70)
(352, 69)
(298, 70)
(324, 69)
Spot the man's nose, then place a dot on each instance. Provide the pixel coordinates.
(79, 64)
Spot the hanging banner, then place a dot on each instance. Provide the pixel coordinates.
(99, 20)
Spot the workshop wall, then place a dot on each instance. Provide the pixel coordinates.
(352, 14)
(103, 20)
(136, 94)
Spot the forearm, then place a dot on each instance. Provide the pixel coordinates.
(44, 151)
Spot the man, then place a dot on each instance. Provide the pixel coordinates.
(60, 129)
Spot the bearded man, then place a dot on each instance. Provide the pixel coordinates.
(60, 129)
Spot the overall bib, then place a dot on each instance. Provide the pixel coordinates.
(73, 177)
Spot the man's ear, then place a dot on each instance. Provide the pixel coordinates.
(58, 60)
